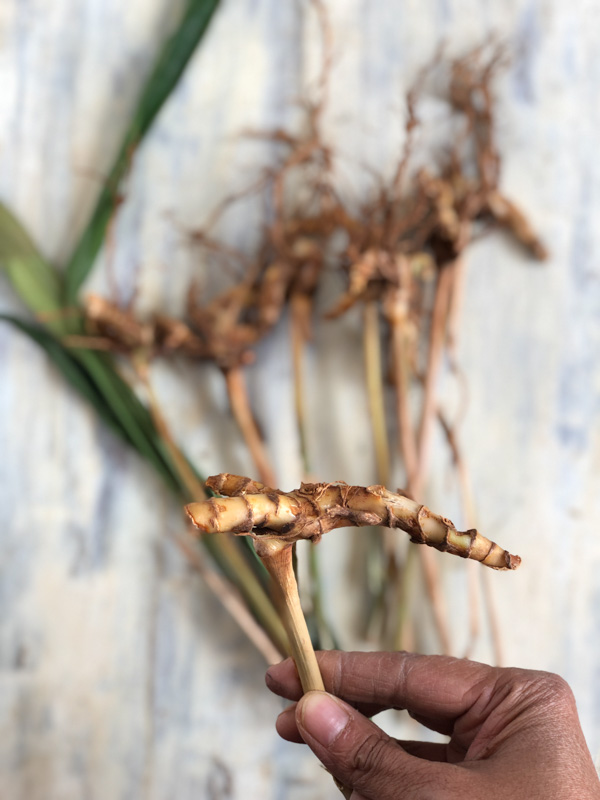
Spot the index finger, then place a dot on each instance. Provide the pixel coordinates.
(438, 689)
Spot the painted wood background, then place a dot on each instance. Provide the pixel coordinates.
(120, 675)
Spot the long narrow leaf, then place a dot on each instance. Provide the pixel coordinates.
(99, 383)
(170, 65)
(95, 377)
(71, 370)
(92, 373)
(32, 278)
(133, 417)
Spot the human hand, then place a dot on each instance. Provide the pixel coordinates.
(514, 733)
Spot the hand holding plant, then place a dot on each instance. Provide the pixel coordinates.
(514, 734)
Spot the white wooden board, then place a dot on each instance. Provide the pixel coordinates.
(120, 675)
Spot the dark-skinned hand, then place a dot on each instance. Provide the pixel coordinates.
(514, 734)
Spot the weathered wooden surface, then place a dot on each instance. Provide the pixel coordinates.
(121, 676)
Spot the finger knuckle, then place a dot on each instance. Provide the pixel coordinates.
(369, 758)
(555, 689)
(546, 688)
(337, 676)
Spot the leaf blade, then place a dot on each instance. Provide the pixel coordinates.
(61, 358)
(95, 377)
(33, 279)
(169, 67)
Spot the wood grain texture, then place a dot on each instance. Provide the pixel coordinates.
(120, 676)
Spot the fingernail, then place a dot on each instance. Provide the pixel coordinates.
(322, 717)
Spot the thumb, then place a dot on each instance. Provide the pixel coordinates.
(360, 755)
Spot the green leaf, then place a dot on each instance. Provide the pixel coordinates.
(71, 370)
(171, 63)
(134, 418)
(96, 378)
(91, 372)
(32, 278)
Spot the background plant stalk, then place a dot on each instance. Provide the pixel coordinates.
(250, 588)
(240, 407)
(324, 634)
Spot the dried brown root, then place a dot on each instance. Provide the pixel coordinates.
(113, 328)
(402, 336)
(375, 390)
(473, 586)
(437, 338)
(253, 509)
(221, 325)
(510, 216)
(116, 324)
